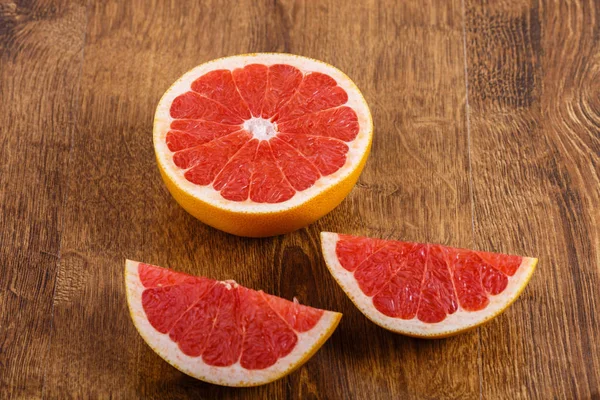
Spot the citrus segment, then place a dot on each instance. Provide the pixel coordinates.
(339, 123)
(424, 290)
(204, 162)
(186, 134)
(307, 123)
(234, 180)
(268, 184)
(282, 82)
(220, 87)
(325, 153)
(222, 332)
(191, 105)
(251, 82)
(316, 92)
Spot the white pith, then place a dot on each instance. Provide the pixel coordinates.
(234, 375)
(459, 321)
(260, 128)
(357, 147)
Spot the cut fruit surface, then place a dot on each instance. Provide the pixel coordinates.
(424, 290)
(221, 332)
(262, 144)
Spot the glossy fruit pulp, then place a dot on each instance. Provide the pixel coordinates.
(305, 114)
(426, 281)
(223, 322)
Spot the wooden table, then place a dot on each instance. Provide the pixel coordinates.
(487, 121)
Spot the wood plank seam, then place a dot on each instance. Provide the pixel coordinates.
(470, 169)
(72, 127)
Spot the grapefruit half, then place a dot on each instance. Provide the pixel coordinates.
(261, 144)
(221, 332)
(424, 290)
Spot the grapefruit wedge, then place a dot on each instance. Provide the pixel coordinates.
(424, 290)
(261, 144)
(221, 332)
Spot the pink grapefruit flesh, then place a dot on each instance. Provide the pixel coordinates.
(261, 132)
(262, 144)
(424, 290)
(222, 332)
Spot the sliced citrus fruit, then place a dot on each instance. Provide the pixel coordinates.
(424, 290)
(261, 144)
(221, 332)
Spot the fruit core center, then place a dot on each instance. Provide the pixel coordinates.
(260, 128)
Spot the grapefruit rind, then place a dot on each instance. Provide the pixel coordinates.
(235, 375)
(454, 324)
(247, 218)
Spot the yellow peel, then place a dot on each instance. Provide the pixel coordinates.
(308, 343)
(459, 322)
(253, 219)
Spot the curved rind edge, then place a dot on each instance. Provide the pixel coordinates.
(267, 223)
(424, 330)
(329, 320)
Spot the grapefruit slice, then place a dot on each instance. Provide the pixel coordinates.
(221, 332)
(424, 290)
(261, 144)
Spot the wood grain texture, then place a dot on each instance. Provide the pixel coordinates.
(487, 121)
(534, 90)
(117, 206)
(41, 45)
